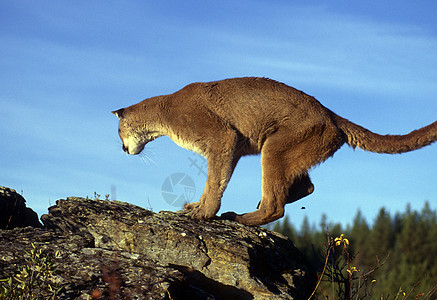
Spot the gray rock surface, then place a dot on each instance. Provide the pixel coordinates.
(120, 251)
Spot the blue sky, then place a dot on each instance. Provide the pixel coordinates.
(64, 65)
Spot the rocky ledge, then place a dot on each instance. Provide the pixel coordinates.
(113, 250)
(13, 210)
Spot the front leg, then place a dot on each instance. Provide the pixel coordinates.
(219, 173)
(221, 164)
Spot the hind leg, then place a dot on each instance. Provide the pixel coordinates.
(299, 189)
(285, 162)
(277, 178)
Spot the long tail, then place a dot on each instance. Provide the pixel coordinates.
(360, 137)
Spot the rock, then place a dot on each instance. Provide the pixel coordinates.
(120, 251)
(13, 210)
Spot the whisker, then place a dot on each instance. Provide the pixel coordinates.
(144, 155)
(146, 158)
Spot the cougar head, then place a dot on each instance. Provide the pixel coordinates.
(131, 135)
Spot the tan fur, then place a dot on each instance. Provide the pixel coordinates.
(225, 120)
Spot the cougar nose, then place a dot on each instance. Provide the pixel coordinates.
(125, 148)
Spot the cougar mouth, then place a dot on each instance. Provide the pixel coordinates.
(132, 146)
(134, 150)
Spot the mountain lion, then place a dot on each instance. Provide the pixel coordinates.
(225, 120)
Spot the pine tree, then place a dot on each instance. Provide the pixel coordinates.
(359, 236)
(287, 229)
(382, 236)
(410, 238)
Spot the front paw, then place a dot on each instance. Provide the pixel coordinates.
(204, 210)
(201, 213)
(191, 206)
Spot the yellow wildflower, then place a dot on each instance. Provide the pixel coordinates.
(339, 240)
(352, 270)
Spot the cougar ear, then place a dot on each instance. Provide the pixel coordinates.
(119, 113)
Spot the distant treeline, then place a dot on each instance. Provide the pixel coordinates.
(401, 249)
